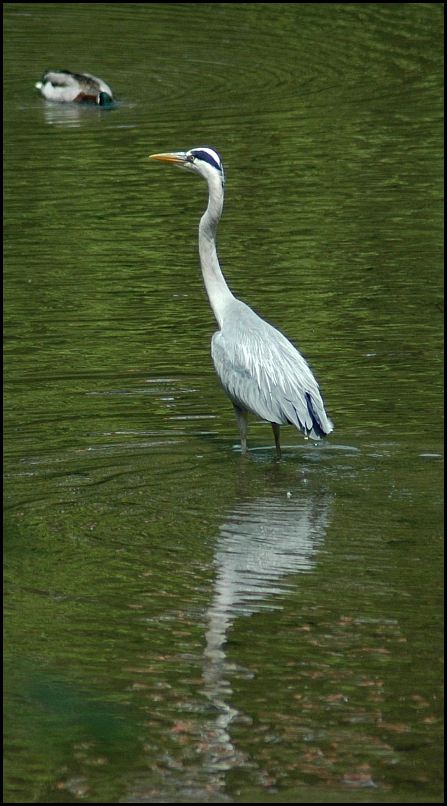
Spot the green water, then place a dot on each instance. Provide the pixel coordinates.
(181, 623)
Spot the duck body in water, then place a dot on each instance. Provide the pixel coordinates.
(64, 86)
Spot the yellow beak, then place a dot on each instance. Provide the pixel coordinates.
(174, 158)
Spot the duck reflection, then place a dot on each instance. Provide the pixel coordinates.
(70, 116)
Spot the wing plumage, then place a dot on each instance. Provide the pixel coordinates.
(262, 372)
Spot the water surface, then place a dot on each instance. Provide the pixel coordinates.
(182, 623)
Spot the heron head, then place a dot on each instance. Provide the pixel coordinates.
(202, 160)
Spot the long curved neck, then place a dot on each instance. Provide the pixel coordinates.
(216, 287)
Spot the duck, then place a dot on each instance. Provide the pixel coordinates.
(64, 86)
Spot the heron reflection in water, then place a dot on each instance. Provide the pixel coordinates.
(263, 546)
(259, 368)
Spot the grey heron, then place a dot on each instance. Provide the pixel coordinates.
(259, 368)
(64, 86)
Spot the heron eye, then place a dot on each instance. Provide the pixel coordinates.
(190, 158)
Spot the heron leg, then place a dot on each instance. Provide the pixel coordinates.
(241, 417)
(276, 428)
